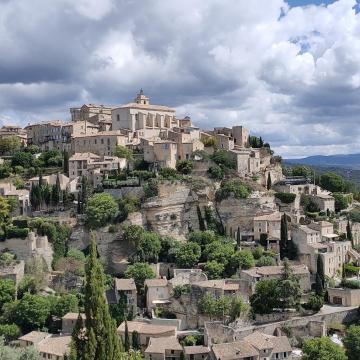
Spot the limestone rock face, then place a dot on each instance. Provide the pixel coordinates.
(113, 250)
(236, 213)
(173, 212)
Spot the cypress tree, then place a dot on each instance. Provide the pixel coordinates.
(238, 238)
(320, 271)
(102, 340)
(283, 237)
(261, 142)
(79, 203)
(77, 346)
(41, 181)
(126, 338)
(269, 182)
(349, 232)
(135, 340)
(66, 163)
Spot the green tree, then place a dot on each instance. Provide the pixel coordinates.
(284, 237)
(207, 305)
(219, 251)
(266, 261)
(149, 247)
(269, 182)
(78, 340)
(352, 342)
(320, 277)
(9, 144)
(101, 208)
(139, 272)
(243, 259)
(214, 270)
(237, 307)
(224, 159)
(126, 337)
(66, 163)
(10, 332)
(349, 235)
(22, 158)
(135, 340)
(216, 172)
(64, 304)
(322, 349)
(265, 289)
(288, 288)
(132, 234)
(234, 187)
(102, 339)
(184, 166)
(332, 182)
(341, 202)
(32, 312)
(124, 152)
(187, 255)
(7, 291)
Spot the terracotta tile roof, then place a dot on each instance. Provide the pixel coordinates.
(125, 284)
(34, 336)
(193, 350)
(235, 350)
(72, 316)
(217, 284)
(275, 216)
(99, 134)
(231, 287)
(144, 107)
(146, 328)
(275, 270)
(156, 282)
(55, 345)
(160, 344)
(263, 341)
(84, 156)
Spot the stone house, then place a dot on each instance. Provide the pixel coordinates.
(326, 230)
(53, 347)
(344, 296)
(237, 136)
(253, 275)
(336, 254)
(247, 161)
(161, 153)
(163, 348)
(32, 246)
(92, 113)
(103, 143)
(146, 331)
(268, 224)
(69, 320)
(127, 288)
(196, 352)
(8, 190)
(256, 346)
(325, 202)
(221, 287)
(158, 292)
(13, 271)
(142, 118)
(93, 166)
(11, 130)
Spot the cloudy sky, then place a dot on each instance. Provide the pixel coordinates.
(289, 71)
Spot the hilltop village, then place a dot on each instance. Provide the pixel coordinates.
(194, 243)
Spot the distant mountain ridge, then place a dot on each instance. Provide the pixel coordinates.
(348, 161)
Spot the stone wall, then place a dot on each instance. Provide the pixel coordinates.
(136, 191)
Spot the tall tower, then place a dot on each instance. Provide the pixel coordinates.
(141, 98)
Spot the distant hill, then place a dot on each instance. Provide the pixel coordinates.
(349, 161)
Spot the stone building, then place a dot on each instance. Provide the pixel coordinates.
(256, 346)
(13, 271)
(344, 296)
(11, 130)
(127, 288)
(68, 322)
(158, 292)
(197, 352)
(146, 331)
(32, 246)
(91, 112)
(163, 348)
(237, 136)
(94, 167)
(8, 190)
(253, 275)
(52, 347)
(142, 118)
(268, 224)
(247, 161)
(102, 143)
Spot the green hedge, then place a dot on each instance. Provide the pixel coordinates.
(285, 197)
(15, 232)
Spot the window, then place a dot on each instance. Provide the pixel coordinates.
(117, 117)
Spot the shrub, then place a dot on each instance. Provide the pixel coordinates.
(100, 209)
(184, 166)
(15, 232)
(112, 229)
(9, 332)
(286, 198)
(216, 172)
(233, 187)
(168, 173)
(222, 157)
(315, 302)
(151, 188)
(350, 284)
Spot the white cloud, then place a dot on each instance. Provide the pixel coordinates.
(291, 75)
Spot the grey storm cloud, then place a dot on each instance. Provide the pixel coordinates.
(291, 75)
